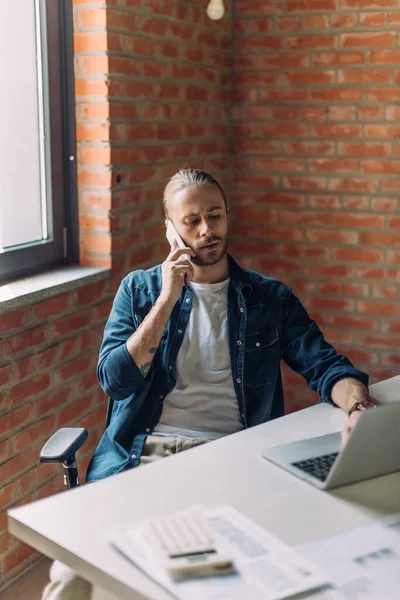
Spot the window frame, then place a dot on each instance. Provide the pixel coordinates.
(56, 39)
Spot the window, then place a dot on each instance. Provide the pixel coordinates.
(38, 207)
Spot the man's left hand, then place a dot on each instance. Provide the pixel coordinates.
(366, 404)
(348, 393)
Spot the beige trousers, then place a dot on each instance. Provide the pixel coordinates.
(65, 584)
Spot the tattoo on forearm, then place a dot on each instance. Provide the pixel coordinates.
(144, 369)
(153, 350)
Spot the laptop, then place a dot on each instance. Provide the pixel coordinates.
(372, 449)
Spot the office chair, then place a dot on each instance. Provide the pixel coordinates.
(63, 444)
(61, 448)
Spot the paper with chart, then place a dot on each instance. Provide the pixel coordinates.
(268, 568)
(363, 563)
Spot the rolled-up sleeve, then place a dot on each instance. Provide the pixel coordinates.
(305, 350)
(117, 372)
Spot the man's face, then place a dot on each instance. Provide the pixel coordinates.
(200, 217)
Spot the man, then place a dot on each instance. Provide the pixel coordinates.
(192, 349)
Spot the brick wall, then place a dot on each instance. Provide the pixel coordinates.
(152, 96)
(317, 162)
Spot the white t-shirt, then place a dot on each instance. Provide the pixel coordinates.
(203, 402)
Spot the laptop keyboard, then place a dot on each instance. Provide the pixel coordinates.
(319, 466)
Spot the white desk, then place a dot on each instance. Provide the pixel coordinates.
(70, 526)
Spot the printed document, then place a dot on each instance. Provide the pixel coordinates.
(267, 568)
(363, 563)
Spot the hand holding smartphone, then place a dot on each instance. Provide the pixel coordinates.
(172, 235)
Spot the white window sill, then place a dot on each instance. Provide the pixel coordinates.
(42, 286)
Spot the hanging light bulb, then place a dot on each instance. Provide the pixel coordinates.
(215, 10)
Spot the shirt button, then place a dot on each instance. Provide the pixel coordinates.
(162, 396)
(188, 300)
(258, 344)
(242, 415)
(238, 380)
(170, 367)
(242, 309)
(239, 343)
(179, 330)
(133, 456)
(147, 430)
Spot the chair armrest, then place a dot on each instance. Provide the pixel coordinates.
(63, 444)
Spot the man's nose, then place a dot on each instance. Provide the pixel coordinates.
(206, 229)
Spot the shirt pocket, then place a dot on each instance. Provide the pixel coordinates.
(261, 357)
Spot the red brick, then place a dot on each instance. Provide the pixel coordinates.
(353, 40)
(384, 205)
(304, 217)
(311, 42)
(51, 307)
(310, 77)
(288, 23)
(333, 59)
(373, 19)
(311, 113)
(16, 557)
(379, 274)
(309, 148)
(356, 289)
(280, 164)
(16, 465)
(5, 374)
(70, 324)
(280, 96)
(283, 61)
(26, 483)
(333, 165)
(308, 5)
(272, 266)
(72, 368)
(30, 388)
(335, 131)
(356, 202)
(383, 94)
(28, 437)
(24, 341)
(364, 148)
(380, 238)
(371, 113)
(255, 8)
(342, 113)
(303, 183)
(316, 270)
(337, 94)
(388, 167)
(378, 308)
(256, 214)
(368, 3)
(352, 185)
(315, 22)
(90, 17)
(332, 235)
(331, 304)
(357, 255)
(343, 20)
(75, 411)
(384, 291)
(13, 320)
(365, 76)
(358, 221)
(323, 201)
(5, 542)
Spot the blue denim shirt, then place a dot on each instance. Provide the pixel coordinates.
(266, 323)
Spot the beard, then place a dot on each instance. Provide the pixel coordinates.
(213, 256)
